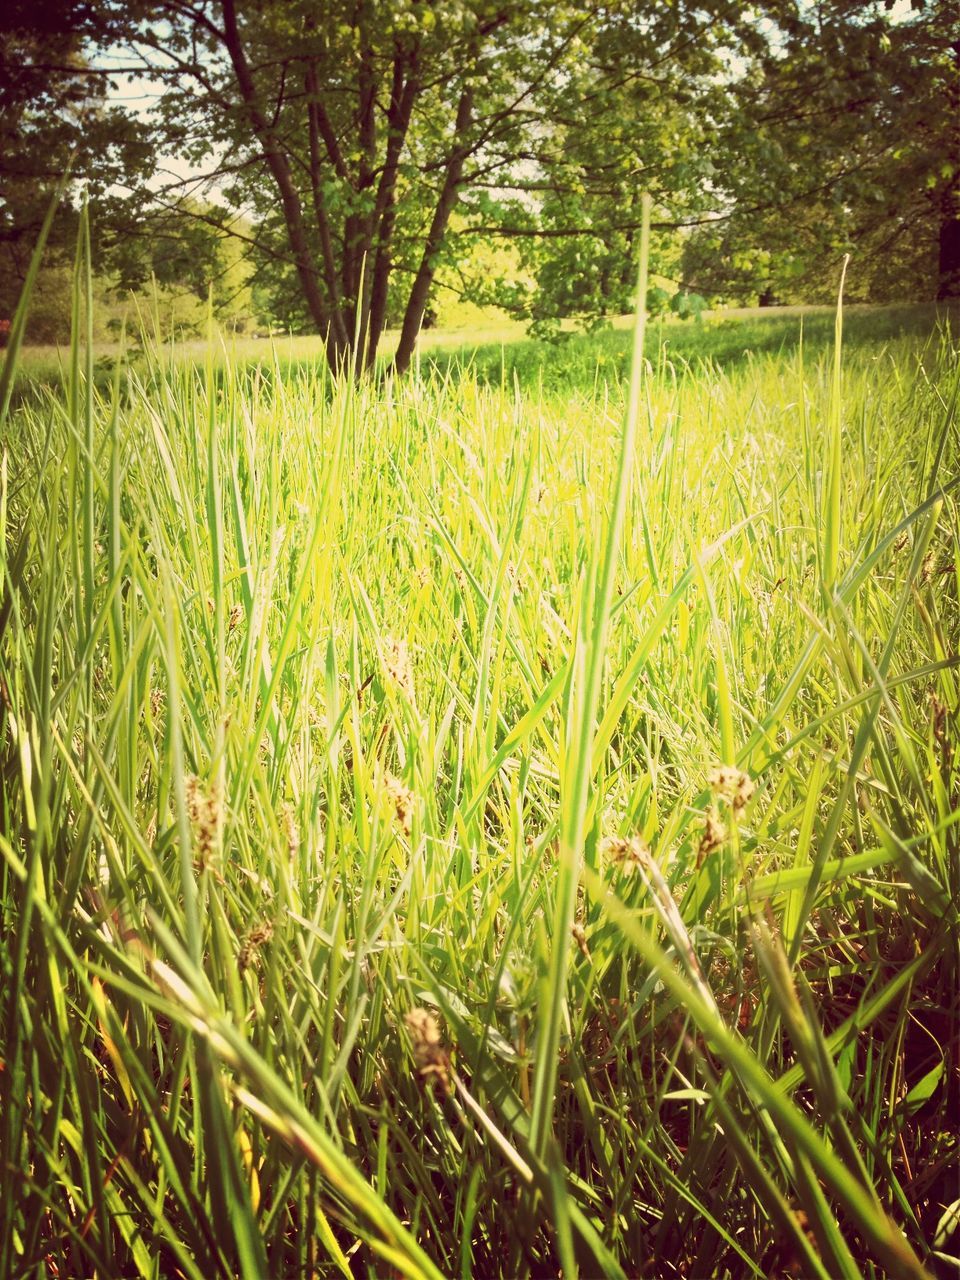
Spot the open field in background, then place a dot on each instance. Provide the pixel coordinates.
(292, 713)
(496, 331)
(502, 348)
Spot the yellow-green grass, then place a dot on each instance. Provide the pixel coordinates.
(326, 705)
(489, 331)
(731, 330)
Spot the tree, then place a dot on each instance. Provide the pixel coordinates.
(369, 144)
(353, 132)
(363, 118)
(850, 116)
(54, 110)
(638, 111)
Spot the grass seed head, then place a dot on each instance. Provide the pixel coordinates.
(579, 935)
(628, 853)
(401, 798)
(732, 785)
(714, 833)
(205, 810)
(193, 791)
(432, 1060)
(290, 830)
(249, 952)
(398, 666)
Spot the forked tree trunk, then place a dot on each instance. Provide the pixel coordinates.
(948, 275)
(420, 289)
(279, 166)
(347, 299)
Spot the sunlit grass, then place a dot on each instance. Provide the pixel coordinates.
(294, 683)
(497, 349)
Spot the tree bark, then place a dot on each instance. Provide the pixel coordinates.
(402, 97)
(358, 227)
(337, 324)
(948, 281)
(279, 167)
(420, 290)
(948, 275)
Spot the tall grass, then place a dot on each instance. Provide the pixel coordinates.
(403, 873)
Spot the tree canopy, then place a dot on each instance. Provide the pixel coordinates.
(846, 139)
(371, 144)
(54, 111)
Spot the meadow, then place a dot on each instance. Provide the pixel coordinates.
(499, 821)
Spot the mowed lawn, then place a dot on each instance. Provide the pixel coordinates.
(297, 683)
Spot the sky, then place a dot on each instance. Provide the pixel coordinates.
(139, 94)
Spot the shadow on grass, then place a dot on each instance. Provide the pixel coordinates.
(580, 359)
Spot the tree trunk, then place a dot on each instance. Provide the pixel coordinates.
(279, 167)
(359, 240)
(403, 94)
(948, 280)
(337, 326)
(948, 275)
(420, 290)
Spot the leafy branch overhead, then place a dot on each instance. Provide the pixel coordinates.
(365, 154)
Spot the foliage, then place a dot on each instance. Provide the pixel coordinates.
(636, 111)
(809, 179)
(55, 113)
(382, 149)
(349, 138)
(381, 157)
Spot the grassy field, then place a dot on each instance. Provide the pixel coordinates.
(500, 350)
(445, 832)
